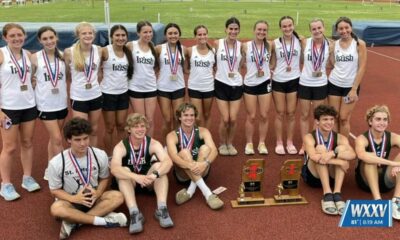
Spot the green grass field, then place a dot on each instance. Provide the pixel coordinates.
(211, 13)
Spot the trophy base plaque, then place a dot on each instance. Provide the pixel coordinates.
(285, 200)
(249, 202)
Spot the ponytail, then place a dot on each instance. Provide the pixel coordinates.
(153, 52)
(179, 46)
(129, 56)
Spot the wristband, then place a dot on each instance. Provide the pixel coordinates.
(155, 172)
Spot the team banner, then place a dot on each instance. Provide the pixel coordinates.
(367, 213)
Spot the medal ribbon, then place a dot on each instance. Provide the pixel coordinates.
(259, 56)
(383, 144)
(320, 139)
(317, 57)
(53, 74)
(288, 54)
(88, 69)
(231, 61)
(135, 161)
(22, 71)
(173, 59)
(185, 141)
(78, 169)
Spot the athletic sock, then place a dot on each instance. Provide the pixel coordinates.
(337, 197)
(204, 189)
(133, 209)
(192, 188)
(99, 221)
(161, 204)
(328, 197)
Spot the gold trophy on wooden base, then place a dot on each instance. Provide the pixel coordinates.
(288, 188)
(250, 189)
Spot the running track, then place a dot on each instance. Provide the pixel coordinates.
(29, 217)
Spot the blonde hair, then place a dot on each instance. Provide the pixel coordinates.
(136, 118)
(78, 57)
(377, 108)
(314, 20)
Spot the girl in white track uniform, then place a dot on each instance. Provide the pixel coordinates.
(117, 68)
(143, 87)
(285, 62)
(201, 77)
(257, 86)
(349, 58)
(83, 63)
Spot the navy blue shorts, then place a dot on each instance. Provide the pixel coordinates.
(87, 106)
(200, 95)
(226, 92)
(334, 90)
(172, 95)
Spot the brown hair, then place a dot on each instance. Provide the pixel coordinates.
(377, 108)
(9, 26)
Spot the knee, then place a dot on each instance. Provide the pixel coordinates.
(116, 197)
(280, 115)
(110, 128)
(343, 120)
(9, 149)
(304, 116)
(291, 116)
(26, 143)
(57, 209)
(251, 118)
(185, 154)
(120, 127)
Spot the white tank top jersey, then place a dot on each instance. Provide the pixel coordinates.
(78, 89)
(165, 82)
(201, 76)
(46, 99)
(306, 78)
(12, 98)
(115, 79)
(144, 78)
(223, 70)
(280, 73)
(251, 78)
(346, 65)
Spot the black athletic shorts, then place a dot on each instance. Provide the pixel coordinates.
(87, 106)
(334, 90)
(134, 94)
(56, 115)
(383, 184)
(286, 87)
(172, 95)
(20, 116)
(226, 92)
(200, 95)
(115, 102)
(260, 89)
(312, 93)
(311, 180)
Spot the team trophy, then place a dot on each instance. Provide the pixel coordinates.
(288, 188)
(250, 189)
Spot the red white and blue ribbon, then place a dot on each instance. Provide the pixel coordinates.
(288, 54)
(258, 55)
(52, 74)
(318, 55)
(22, 70)
(88, 69)
(185, 141)
(320, 139)
(383, 144)
(173, 59)
(231, 60)
(78, 168)
(136, 161)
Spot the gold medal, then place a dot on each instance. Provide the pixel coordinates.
(288, 68)
(260, 73)
(173, 77)
(88, 85)
(24, 88)
(231, 75)
(54, 91)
